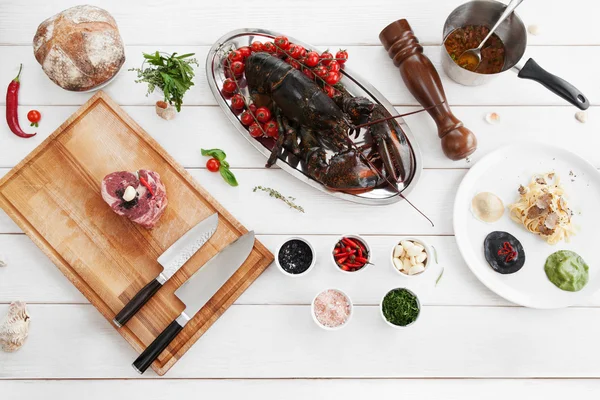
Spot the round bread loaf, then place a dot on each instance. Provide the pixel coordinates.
(79, 48)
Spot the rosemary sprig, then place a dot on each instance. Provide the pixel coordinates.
(289, 200)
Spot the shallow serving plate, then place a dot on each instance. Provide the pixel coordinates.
(352, 82)
(501, 172)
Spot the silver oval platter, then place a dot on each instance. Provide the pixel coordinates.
(353, 84)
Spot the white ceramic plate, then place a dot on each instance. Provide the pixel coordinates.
(501, 172)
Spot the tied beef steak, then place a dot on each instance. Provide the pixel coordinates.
(143, 206)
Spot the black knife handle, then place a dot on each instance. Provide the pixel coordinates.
(152, 352)
(136, 303)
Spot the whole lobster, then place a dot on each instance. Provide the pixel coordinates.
(310, 123)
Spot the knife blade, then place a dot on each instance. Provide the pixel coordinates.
(197, 291)
(172, 260)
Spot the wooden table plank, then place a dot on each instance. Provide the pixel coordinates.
(203, 22)
(459, 389)
(74, 341)
(208, 127)
(371, 62)
(31, 277)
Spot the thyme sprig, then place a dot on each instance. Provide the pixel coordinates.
(289, 200)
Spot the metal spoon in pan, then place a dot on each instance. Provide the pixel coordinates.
(472, 58)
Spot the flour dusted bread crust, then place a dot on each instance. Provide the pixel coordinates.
(79, 48)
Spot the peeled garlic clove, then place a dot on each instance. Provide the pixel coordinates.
(407, 244)
(14, 328)
(398, 251)
(129, 193)
(413, 251)
(421, 257)
(417, 269)
(492, 118)
(412, 261)
(165, 110)
(398, 264)
(407, 264)
(534, 29)
(581, 116)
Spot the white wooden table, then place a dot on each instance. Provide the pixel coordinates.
(468, 343)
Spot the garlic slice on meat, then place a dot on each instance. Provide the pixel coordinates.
(14, 328)
(129, 193)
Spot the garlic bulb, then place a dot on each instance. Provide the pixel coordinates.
(165, 110)
(14, 327)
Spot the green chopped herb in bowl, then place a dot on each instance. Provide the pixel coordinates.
(400, 307)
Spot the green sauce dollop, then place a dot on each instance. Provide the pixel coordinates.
(567, 270)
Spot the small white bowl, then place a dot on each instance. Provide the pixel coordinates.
(428, 260)
(357, 237)
(312, 264)
(388, 322)
(328, 328)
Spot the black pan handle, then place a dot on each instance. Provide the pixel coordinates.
(152, 352)
(531, 70)
(136, 303)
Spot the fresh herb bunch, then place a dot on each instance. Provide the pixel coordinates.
(289, 200)
(224, 170)
(173, 75)
(400, 307)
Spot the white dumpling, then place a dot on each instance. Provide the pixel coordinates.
(487, 207)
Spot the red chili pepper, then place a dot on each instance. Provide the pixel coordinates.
(341, 261)
(508, 251)
(145, 183)
(340, 255)
(12, 105)
(336, 251)
(345, 267)
(349, 242)
(355, 265)
(349, 252)
(360, 253)
(362, 260)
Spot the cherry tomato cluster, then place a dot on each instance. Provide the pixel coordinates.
(323, 68)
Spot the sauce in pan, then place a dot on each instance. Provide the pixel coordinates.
(469, 37)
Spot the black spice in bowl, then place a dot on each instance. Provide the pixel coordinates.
(295, 257)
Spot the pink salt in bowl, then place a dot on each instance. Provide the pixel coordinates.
(329, 311)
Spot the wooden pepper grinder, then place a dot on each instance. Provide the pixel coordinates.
(424, 83)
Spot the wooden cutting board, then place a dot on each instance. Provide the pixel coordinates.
(54, 197)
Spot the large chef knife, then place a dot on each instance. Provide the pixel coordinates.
(172, 259)
(197, 291)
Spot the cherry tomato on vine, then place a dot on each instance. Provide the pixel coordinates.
(321, 71)
(252, 107)
(309, 74)
(263, 114)
(295, 64)
(255, 130)
(312, 59)
(238, 68)
(247, 118)
(330, 91)
(246, 51)
(269, 47)
(282, 42)
(213, 165)
(326, 57)
(332, 77)
(334, 66)
(342, 56)
(229, 85)
(295, 51)
(34, 117)
(235, 55)
(272, 129)
(257, 46)
(237, 102)
(302, 52)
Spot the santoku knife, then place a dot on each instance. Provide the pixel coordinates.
(197, 291)
(172, 259)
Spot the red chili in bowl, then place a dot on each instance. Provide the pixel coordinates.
(350, 254)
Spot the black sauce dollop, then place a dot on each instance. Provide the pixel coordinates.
(497, 257)
(295, 256)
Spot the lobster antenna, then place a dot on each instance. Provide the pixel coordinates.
(398, 116)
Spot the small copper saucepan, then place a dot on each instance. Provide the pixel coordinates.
(513, 34)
